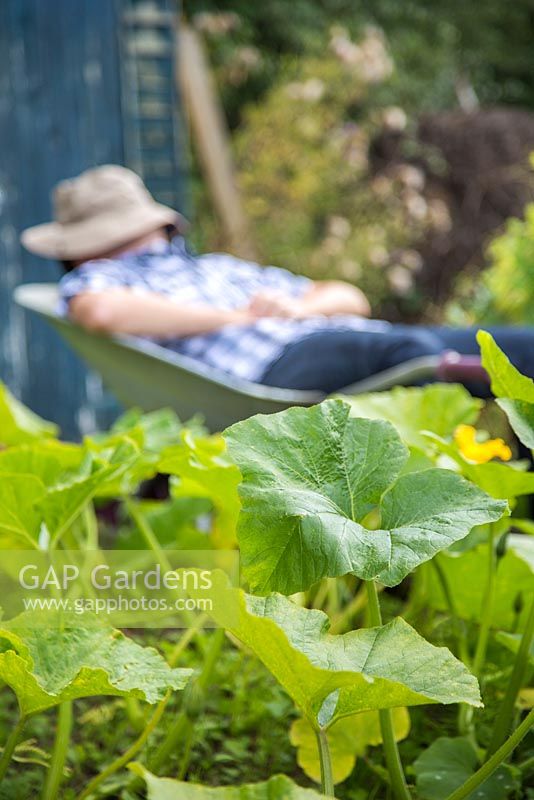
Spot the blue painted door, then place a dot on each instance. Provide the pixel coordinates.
(81, 83)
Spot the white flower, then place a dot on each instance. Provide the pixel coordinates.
(400, 280)
(245, 60)
(338, 226)
(378, 255)
(439, 216)
(369, 58)
(394, 118)
(412, 260)
(332, 246)
(311, 91)
(349, 269)
(410, 176)
(416, 205)
(381, 186)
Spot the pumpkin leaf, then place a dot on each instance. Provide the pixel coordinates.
(514, 390)
(150, 432)
(501, 481)
(36, 487)
(310, 477)
(438, 407)
(370, 669)
(348, 738)
(521, 417)
(276, 788)
(426, 512)
(512, 641)
(20, 520)
(46, 665)
(203, 469)
(47, 461)
(159, 428)
(506, 380)
(19, 424)
(448, 763)
(513, 583)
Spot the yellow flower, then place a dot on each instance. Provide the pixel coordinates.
(480, 452)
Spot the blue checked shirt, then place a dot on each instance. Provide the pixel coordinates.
(219, 280)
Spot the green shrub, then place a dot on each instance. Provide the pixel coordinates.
(505, 293)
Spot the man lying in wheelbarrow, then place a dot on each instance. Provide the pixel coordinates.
(129, 271)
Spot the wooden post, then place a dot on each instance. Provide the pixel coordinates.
(210, 135)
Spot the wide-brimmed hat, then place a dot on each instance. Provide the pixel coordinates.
(101, 209)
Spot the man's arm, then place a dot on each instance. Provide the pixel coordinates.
(150, 314)
(323, 297)
(335, 297)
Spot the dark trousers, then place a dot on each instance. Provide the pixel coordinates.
(330, 360)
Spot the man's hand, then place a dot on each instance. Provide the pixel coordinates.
(324, 298)
(274, 304)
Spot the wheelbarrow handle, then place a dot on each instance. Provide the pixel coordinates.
(455, 367)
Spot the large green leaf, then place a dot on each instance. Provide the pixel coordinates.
(151, 433)
(203, 469)
(55, 495)
(65, 500)
(502, 481)
(426, 512)
(512, 641)
(277, 788)
(521, 417)
(370, 669)
(160, 428)
(438, 407)
(18, 424)
(310, 477)
(506, 380)
(448, 763)
(46, 665)
(348, 738)
(20, 519)
(174, 523)
(514, 584)
(47, 461)
(508, 383)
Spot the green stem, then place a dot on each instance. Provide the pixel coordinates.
(152, 541)
(488, 603)
(503, 722)
(182, 725)
(127, 756)
(148, 534)
(356, 605)
(527, 765)
(175, 734)
(9, 747)
(495, 761)
(375, 615)
(186, 639)
(134, 713)
(90, 524)
(321, 594)
(391, 751)
(327, 778)
(461, 644)
(120, 762)
(187, 750)
(59, 753)
(465, 719)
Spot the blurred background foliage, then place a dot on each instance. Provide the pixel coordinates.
(383, 143)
